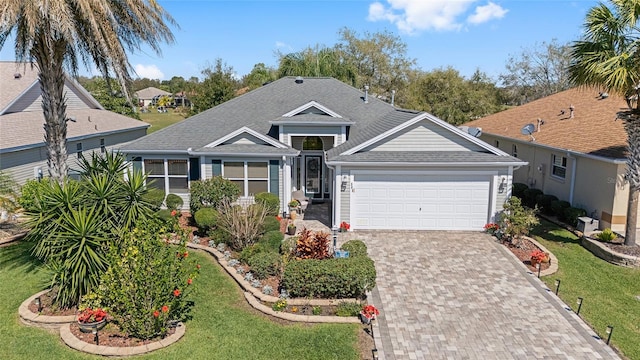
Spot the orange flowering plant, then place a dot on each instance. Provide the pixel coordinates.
(539, 256)
(344, 226)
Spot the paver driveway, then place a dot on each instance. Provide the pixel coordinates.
(461, 295)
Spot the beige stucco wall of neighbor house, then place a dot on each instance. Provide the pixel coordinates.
(599, 186)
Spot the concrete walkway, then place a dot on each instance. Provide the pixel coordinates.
(461, 295)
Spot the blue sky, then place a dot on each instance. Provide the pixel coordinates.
(464, 34)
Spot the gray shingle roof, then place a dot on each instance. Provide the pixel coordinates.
(426, 157)
(257, 108)
(312, 119)
(255, 149)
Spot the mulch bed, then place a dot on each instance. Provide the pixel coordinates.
(522, 249)
(618, 246)
(111, 335)
(48, 309)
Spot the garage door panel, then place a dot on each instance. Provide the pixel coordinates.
(421, 202)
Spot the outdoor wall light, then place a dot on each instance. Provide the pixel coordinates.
(557, 285)
(38, 303)
(609, 332)
(579, 305)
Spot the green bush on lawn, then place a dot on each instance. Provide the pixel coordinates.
(355, 248)
(330, 278)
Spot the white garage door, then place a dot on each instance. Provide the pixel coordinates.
(420, 202)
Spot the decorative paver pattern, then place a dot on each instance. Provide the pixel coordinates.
(461, 295)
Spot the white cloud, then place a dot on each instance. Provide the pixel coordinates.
(411, 16)
(487, 12)
(149, 71)
(282, 45)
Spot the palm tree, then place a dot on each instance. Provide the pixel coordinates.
(54, 35)
(608, 56)
(317, 62)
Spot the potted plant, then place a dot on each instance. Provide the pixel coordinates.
(491, 228)
(344, 226)
(90, 320)
(291, 229)
(294, 204)
(368, 313)
(538, 256)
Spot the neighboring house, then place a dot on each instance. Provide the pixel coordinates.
(150, 95)
(577, 155)
(23, 152)
(381, 167)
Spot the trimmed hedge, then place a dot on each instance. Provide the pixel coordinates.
(355, 248)
(544, 203)
(530, 196)
(572, 214)
(271, 223)
(330, 278)
(265, 264)
(270, 201)
(206, 218)
(558, 207)
(518, 190)
(174, 202)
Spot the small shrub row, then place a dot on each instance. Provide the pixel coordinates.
(548, 204)
(330, 278)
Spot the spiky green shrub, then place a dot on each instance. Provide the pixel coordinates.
(606, 235)
(270, 201)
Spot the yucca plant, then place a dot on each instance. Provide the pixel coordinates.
(8, 194)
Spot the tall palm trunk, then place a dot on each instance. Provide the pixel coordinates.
(49, 51)
(632, 126)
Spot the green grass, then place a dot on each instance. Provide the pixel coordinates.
(160, 120)
(223, 325)
(609, 291)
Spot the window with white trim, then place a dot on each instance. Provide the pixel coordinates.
(559, 166)
(173, 173)
(251, 176)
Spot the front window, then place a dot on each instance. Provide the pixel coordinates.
(559, 166)
(172, 173)
(252, 177)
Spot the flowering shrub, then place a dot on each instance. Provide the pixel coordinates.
(279, 305)
(344, 226)
(491, 228)
(89, 315)
(370, 312)
(539, 256)
(150, 281)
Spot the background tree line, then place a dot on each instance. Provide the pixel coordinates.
(379, 61)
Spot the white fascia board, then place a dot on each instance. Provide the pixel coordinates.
(243, 155)
(269, 140)
(433, 164)
(311, 103)
(617, 161)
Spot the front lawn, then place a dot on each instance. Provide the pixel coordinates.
(161, 120)
(611, 293)
(223, 325)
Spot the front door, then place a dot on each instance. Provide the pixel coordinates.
(313, 175)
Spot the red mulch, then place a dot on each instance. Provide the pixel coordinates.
(111, 335)
(523, 250)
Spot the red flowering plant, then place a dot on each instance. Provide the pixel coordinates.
(344, 226)
(90, 315)
(369, 312)
(149, 285)
(491, 228)
(539, 256)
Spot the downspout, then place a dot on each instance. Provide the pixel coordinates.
(336, 195)
(574, 165)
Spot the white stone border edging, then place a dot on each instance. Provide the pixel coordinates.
(73, 342)
(295, 317)
(254, 296)
(43, 321)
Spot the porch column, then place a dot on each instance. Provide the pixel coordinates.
(286, 183)
(337, 196)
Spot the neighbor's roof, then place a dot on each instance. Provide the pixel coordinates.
(24, 129)
(150, 93)
(593, 130)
